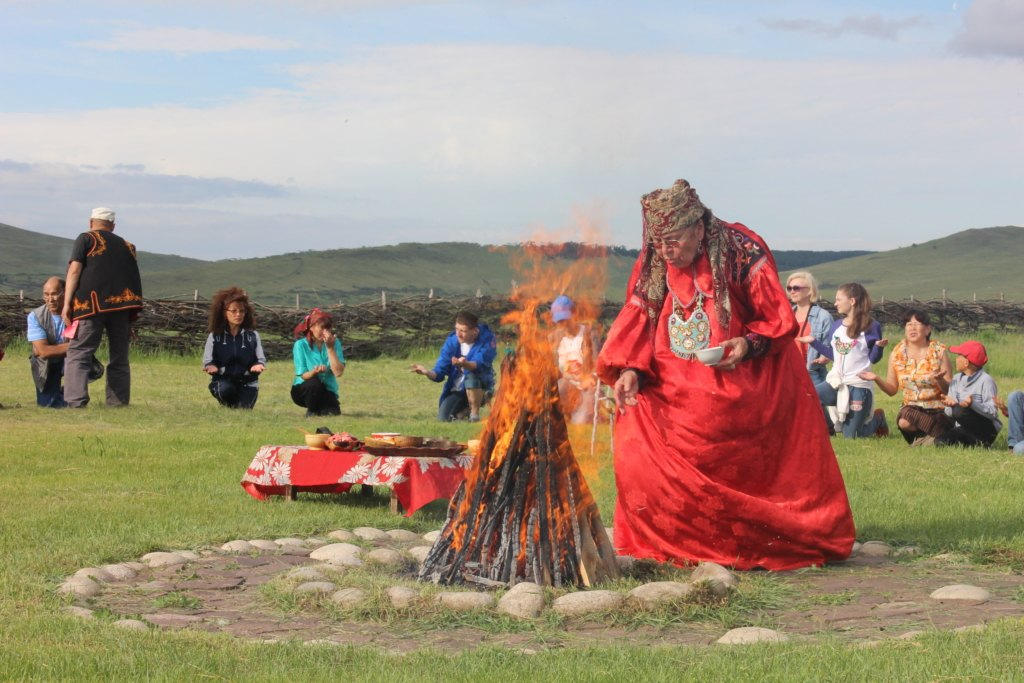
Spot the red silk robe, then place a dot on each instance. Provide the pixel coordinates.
(733, 467)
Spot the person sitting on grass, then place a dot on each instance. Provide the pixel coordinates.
(970, 401)
(855, 343)
(1013, 410)
(319, 362)
(465, 366)
(919, 366)
(233, 356)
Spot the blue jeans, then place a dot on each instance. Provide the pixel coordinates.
(817, 373)
(457, 402)
(52, 395)
(859, 421)
(1015, 438)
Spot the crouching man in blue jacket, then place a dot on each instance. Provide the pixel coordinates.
(465, 367)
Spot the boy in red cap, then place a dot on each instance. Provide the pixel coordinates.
(970, 401)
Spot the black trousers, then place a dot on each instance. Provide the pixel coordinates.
(971, 429)
(316, 398)
(234, 393)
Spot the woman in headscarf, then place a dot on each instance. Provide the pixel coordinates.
(319, 362)
(729, 462)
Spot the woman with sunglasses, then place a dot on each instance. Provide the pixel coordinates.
(812, 319)
(319, 362)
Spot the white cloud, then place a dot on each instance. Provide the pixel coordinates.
(181, 40)
(872, 26)
(478, 142)
(992, 28)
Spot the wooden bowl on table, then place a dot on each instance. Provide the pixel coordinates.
(317, 441)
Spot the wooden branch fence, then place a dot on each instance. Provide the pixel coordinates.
(394, 327)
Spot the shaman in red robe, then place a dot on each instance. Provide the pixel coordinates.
(733, 467)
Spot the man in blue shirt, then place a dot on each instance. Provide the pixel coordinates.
(465, 366)
(46, 335)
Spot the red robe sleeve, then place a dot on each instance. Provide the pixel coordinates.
(770, 314)
(629, 343)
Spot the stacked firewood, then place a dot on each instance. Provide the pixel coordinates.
(525, 512)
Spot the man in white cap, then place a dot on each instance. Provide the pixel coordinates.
(103, 292)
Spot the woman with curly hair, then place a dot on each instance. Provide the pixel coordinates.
(233, 356)
(319, 362)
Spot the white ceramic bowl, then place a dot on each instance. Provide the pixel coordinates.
(711, 355)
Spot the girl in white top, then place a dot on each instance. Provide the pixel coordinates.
(855, 344)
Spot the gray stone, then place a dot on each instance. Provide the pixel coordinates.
(238, 546)
(402, 597)
(94, 573)
(77, 611)
(79, 587)
(119, 572)
(386, 557)
(856, 548)
(347, 598)
(306, 574)
(660, 592)
(524, 600)
(465, 601)
(962, 591)
(342, 535)
(189, 555)
(315, 588)
(131, 624)
(369, 533)
(875, 549)
(402, 535)
(299, 550)
(717, 577)
(161, 559)
(290, 540)
(587, 602)
(432, 536)
(316, 541)
(751, 634)
(137, 566)
(263, 544)
(419, 552)
(907, 551)
(171, 620)
(625, 562)
(344, 554)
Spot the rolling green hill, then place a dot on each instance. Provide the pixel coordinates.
(27, 258)
(323, 277)
(982, 261)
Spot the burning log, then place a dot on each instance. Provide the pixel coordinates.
(525, 513)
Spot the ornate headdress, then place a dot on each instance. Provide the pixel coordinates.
(666, 211)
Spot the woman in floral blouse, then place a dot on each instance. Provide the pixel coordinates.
(919, 366)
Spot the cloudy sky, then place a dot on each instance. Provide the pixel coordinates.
(240, 128)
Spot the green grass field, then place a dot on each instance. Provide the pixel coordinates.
(82, 488)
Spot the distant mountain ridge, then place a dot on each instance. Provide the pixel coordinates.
(451, 269)
(979, 261)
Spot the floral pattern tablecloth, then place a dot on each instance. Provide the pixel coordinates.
(414, 481)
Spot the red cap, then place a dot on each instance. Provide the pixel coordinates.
(973, 351)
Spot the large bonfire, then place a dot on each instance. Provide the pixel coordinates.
(525, 512)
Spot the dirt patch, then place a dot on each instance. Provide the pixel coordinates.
(861, 599)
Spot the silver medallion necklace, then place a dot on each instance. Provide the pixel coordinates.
(693, 333)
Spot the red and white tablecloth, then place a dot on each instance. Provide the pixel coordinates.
(414, 481)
